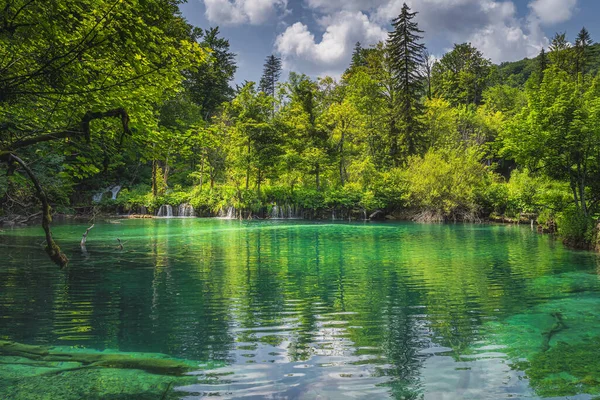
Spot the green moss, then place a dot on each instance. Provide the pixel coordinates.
(47, 373)
(89, 383)
(160, 364)
(566, 370)
(43, 372)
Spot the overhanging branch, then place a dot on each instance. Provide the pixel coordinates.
(82, 131)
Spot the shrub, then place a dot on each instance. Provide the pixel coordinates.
(446, 184)
(576, 229)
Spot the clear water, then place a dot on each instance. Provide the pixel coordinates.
(281, 309)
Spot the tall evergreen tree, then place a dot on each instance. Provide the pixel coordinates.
(271, 74)
(358, 58)
(559, 51)
(209, 84)
(406, 54)
(582, 48)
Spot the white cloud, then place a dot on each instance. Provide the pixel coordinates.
(552, 12)
(254, 12)
(299, 48)
(493, 26)
(344, 5)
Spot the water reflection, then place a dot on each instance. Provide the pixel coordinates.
(296, 310)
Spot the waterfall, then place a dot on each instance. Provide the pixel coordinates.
(185, 210)
(143, 210)
(115, 191)
(333, 215)
(230, 214)
(165, 211)
(286, 211)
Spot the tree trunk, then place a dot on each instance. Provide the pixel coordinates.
(52, 248)
(342, 159)
(317, 178)
(258, 180)
(166, 173)
(154, 173)
(201, 172)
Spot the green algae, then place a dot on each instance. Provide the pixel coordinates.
(88, 383)
(44, 372)
(566, 369)
(557, 343)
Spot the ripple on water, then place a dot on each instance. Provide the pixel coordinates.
(299, 310)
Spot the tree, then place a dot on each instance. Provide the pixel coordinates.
(406, 57)
(560, 51)
(461, 75)
(582, 50)
(209, 83)
(255, 146)
(428, 63)
(558, 133)
(346, 124)
(271, 74)
(83, 76)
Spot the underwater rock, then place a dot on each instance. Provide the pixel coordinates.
(153, 363)
(30, 372)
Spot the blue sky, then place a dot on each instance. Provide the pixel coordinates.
(316, 37)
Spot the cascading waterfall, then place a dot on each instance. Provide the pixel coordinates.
(284, 212)
(230, 214)
(185, 210)
(275, 212)
(143, 210)
(115, 191)
(165, 211)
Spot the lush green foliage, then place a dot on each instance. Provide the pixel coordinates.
(400, 133)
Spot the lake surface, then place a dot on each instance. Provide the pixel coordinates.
(301, 310)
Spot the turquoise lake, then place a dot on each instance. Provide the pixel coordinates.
(300, 310)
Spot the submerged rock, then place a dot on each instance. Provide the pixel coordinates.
(44, 372)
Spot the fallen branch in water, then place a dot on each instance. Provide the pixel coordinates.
(84, 238)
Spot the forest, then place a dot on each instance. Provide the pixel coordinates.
(124, 107)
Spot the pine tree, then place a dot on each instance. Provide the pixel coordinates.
(582, 47)
(358, 59)
(271, 74)
(406, 54)
(559, 51)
